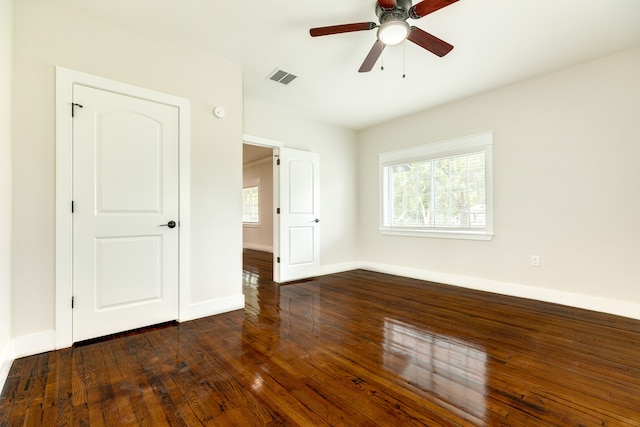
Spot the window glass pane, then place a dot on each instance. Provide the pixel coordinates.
(441, 189)
(250, 204)
(441, 193)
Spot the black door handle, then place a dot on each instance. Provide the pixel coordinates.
(170, 224)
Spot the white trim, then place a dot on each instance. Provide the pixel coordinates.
(211, 307)
(439, 234)
(65, 78)
(40, 342)
(7, 356)
(263, 142)
(338, 268)
(251, 224)
(436, 149)
(587, 302)
(256, 247)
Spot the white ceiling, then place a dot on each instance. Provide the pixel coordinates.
(497, 42)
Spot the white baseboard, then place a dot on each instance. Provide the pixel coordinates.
(256, 247)
(45, 341)
(7, 356)
(587, 302)
(338, 268)
(211, 307)
(40, 342)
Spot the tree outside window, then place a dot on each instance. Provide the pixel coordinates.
(250, 204)
(441, 188)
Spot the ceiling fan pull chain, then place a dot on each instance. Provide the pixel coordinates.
(404, 60)
(382, 62)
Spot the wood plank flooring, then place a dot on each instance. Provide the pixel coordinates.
(349, 349)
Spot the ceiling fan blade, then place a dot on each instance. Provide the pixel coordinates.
(426, 7)
(372, 57)
(345, 28)
(387, 4)
(429, 41)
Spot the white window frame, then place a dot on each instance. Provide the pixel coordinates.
(251, 184)
(452, 147)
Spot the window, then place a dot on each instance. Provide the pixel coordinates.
(250, 204)
(439, 190)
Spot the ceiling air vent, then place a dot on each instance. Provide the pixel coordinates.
(281, 76)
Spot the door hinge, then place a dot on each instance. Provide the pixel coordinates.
(278, 162)
(278, 260)
(73, 108)
(73, 302)
(72, 206)
(278, 211)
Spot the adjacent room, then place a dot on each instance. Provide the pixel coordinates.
(337, 213)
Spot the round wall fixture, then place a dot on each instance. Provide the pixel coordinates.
(218, 112)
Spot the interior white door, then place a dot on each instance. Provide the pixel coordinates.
(299, 225)
(125, 250)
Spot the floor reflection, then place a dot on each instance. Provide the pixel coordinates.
(298, 322)
(449, 368)
(251, 292)
(299, 310)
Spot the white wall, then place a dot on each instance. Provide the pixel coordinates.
(6, 28)
(566, 153)
(49, 33)
(338, 187)
(260, 236)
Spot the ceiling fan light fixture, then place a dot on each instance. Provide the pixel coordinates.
(393, 32)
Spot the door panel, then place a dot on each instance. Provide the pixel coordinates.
(125, 272)
(299, 229)
(117, 161)
(301, 186)
(301, 241)
(128, 271)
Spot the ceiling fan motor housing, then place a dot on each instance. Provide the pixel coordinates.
(393, 22)
(398, 13)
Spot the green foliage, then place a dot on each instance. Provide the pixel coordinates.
(447, 192)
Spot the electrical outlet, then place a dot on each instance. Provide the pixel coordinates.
(535, 260)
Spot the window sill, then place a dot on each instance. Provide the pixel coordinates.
(438, 234)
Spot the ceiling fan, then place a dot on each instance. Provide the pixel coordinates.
(394, 29)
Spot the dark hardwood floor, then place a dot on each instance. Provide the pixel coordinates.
(349, 349)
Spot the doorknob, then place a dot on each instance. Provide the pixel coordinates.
(316, 220)
(170, 224)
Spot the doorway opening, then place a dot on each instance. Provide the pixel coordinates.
(294, 209)
(258, 164)
(257, 198)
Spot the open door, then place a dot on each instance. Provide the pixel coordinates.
(298, 233)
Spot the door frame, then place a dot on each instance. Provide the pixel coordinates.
(275, 146)
(65, 79)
